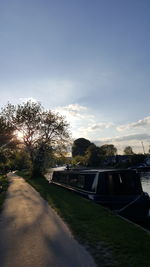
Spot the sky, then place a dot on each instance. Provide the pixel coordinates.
(88, 60)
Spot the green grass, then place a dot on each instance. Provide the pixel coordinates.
(3, 189)
(112, 240)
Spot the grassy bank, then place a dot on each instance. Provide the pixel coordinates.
(112, 240)
(3, 189)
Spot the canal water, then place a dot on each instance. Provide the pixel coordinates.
(145, 180)
(49, 173)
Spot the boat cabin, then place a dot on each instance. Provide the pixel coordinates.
(103, 182)
(119, 190)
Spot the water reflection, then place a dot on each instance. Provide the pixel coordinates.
(145, 180)
(49, 173)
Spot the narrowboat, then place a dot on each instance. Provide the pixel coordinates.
(118, 190)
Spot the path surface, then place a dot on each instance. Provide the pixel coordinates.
(32, 234)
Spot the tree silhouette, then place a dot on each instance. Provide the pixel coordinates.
(42, 131)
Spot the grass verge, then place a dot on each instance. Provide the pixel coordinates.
(3, 189)
(111, 240)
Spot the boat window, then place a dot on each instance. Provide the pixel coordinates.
(95, 182)
(101, 187)
(120, 178)
(82, 181)
(89, 182)
(73, 180)
(125, 183)
(60, 177)
(56, 176)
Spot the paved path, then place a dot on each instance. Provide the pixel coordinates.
(32, 234)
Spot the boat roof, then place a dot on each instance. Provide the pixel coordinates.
(82, 170)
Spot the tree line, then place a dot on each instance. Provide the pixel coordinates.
(87, 153)
(34, 138)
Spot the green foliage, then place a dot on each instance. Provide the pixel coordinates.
(88, 154)
(93, 156)
(80, 146)
(3, 183)
(8, 143)
(42, 131)
(5, 160)
(21, 160)
(108, 150)
(3, 189)
(128, 150)
(6, 132)
(79, 160)
(43, 158)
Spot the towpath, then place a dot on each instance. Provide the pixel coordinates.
(32, 234)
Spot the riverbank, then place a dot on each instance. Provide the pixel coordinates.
(110, 239)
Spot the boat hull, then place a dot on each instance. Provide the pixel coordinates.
(118, 190)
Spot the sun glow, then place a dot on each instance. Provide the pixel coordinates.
(19, 135)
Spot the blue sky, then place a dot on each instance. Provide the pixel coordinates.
(89, 60)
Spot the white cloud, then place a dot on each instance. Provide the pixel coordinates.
(75, 107)
(72, 111)
(26, 99)
(94, 128)
(134, 140)
(100, 126)
(130, 137)
(139, 124)
(82, 122)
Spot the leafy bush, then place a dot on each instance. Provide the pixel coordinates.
(3, 183)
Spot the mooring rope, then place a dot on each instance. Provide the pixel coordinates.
(132, 202)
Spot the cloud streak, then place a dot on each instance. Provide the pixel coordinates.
(82, 122)
(100, 126)
(130, 137)
(134, 140)
(139, 124)
(72, 111)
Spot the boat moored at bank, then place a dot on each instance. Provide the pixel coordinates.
(119, 190)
